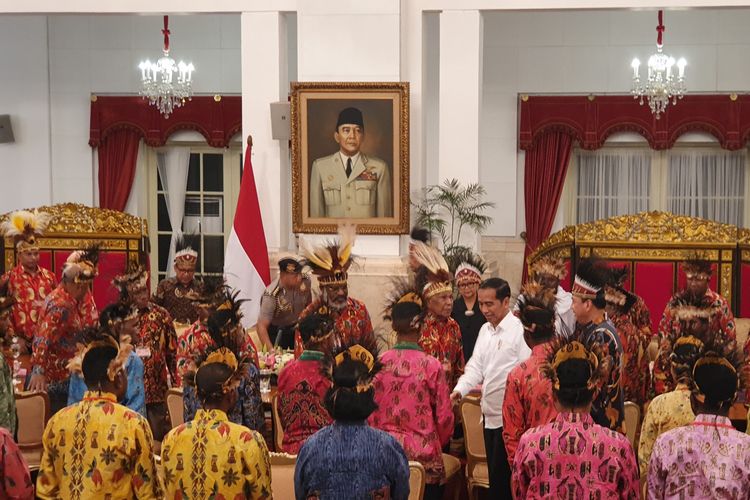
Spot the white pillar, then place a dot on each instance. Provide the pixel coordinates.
(264, 81)
(460, 94)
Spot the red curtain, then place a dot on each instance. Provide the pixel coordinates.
(118, 154)
(544, 177)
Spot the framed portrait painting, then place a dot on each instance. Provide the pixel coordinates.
(350, 156)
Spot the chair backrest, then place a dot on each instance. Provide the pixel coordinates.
(175, 407)
(33, 413)
(471, 419)
(632, 419)
(416, 480)
(278, 429)
(282, 474)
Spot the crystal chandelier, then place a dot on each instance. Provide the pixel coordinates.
(662, 84)
(157, 79)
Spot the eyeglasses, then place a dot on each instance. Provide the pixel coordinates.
(468, 285)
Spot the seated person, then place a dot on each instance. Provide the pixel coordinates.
(574, 457)
(98, 448)
(224, 329)
(118, 321)
(302, 386)
(368, 463)
(15, 480)
(7, 394)
(210, 457)
(412, 396)
(708, 458)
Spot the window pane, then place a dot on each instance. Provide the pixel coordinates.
(213, 258)
(163, 242)
(191, 220)
(213, 215)
(213, 172)
(163, 214)
(194, 173)
(159, 187)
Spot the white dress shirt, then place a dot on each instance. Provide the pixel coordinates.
(496, 353)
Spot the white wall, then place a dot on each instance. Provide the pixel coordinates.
(90, 54)
(584, 52)
(24, 95)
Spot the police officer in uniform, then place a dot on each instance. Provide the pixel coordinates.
(283, 301)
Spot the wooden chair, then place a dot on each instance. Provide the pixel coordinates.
(278, 429)
(632, 420)
(452, 467)
(33, 413)
(282, 474)
(477, 473)
(175, 407)
(416, 480)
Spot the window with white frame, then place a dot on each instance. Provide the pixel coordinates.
(213, 180)
(696, 180)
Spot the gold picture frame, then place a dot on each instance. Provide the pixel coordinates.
(322, 192)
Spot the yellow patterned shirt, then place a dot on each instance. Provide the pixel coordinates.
(97, 449)
(666, 411)
(213, 458)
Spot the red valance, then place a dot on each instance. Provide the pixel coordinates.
(216, 120)
(591, 119)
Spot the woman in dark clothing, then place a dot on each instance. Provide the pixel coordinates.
(466, 311)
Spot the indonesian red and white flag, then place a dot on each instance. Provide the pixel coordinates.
(246, 260)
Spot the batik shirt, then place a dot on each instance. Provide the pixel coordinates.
(193, 342)
(301, 391)
(608, 408)
(7, 398)
(441, 338)
(670, 330)
(705, 459)
(97, 449)
(212, 458)
(528, 399)
(414, 406)
(14, 471)
(29, 290)
(664, 413)
(635, 373)
(248, 411)
(156, 345)
(61, 320)
(179, 299)
(350, 325)
(574, 458)
(351, 461)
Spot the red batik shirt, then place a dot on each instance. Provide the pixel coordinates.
(670, 329)
(302, 389)
(441, 338)
(350, 325)
(194, 341)
(29, 291)
(414, 406)
(60, 321)
(635, 372)
(528, 399)
(156, 344)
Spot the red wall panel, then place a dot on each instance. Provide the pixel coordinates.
(654, 282)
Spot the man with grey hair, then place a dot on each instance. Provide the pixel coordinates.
(67, 310)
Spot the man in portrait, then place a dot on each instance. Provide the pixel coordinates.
(350, 183)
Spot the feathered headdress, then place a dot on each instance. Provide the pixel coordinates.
(420, 235)
(715, 367)
(684, 307)
(536, 309)
(227, 315)
(685, 350)
(590, 278)
(316, 327)
(549, 265)
(82, 265)
(433, 277)
(184, 253)
(133, 279)
(330, 263)
(698, 266)
(364, 351)
(402, 290)
(566, 348)
(614, 292)
(467, 267)
(92, 339)
(213, 290)
(24, 226)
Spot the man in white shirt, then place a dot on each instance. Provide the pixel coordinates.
(499, 348)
